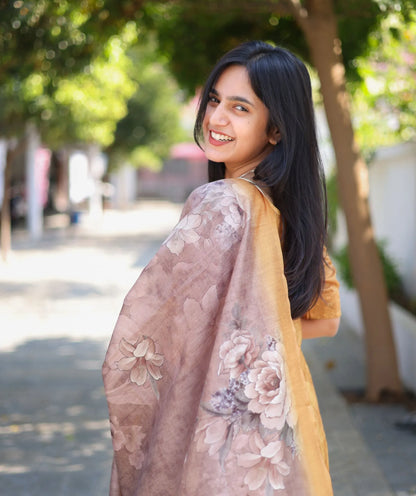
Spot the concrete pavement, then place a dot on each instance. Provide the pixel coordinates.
(59, 299)
(369, 453)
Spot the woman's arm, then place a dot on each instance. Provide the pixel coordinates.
(317, 328)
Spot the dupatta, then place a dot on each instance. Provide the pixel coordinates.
(207, 387)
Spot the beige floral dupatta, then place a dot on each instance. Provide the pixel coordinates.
(207, 387)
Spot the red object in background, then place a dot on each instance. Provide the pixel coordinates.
(187, 151)
(43, 160)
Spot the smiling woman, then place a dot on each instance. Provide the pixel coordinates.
(235, 124)
(207, 387)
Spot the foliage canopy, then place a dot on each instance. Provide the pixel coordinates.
(208, 29)
(385, 97)
(152, 122)
(70, 68)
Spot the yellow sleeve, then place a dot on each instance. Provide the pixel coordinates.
(328, 305)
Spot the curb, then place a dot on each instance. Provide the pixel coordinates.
(353, 468)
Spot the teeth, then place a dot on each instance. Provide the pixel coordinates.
(220, 137)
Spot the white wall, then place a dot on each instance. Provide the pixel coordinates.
(392, 176)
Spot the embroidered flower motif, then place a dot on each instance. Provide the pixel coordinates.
(184, 233)
(227, 232)
(237, 353)
(267, 391)
(211, 434)
(226, 203)
(231, 211)
(250, 420)
(129, 437)
(141, 360)
(265, 462)
(218, 209)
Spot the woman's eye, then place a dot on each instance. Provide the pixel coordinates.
(240, 107)
(213, 99)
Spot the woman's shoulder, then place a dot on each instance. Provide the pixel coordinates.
(243, 194)
(212, 194)
(222, 196)
(231, 188)
(213, 189)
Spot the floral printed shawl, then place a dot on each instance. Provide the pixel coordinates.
(207, 387)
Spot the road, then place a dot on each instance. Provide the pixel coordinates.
(59, 299)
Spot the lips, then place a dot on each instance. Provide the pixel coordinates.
(219, 138)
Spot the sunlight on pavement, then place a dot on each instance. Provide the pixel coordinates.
(72, 284)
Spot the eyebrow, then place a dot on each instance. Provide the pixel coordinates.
(233, 98)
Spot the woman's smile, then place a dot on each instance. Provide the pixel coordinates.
(219, 138)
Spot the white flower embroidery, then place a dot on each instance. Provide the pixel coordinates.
(129, 437)
(238, 353)
(267, 391)
(184, 233)
(141, 360)
(265, 462)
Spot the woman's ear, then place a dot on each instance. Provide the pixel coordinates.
(274, 136)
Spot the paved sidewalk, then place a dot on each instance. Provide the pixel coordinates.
(363, 438)
(354, 470)
(59, 299)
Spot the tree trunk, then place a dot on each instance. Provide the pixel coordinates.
(96, 171)
(5, 234)
(61, 197)
(320, 28)
(33, 191)
(13, 150)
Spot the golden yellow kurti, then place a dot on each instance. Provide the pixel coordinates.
(208, 390)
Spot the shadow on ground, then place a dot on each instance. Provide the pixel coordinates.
(54, 431)
(385, 427)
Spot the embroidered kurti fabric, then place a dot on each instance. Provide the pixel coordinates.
(208, 390)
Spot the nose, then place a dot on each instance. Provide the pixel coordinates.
(218, 116)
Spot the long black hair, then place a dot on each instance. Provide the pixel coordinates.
(293, 170)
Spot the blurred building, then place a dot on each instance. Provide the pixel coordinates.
(185, 170)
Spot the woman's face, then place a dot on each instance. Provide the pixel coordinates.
(235, 124)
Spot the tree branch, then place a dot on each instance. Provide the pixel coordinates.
(319, 7)
(298, 11)
(279, 7)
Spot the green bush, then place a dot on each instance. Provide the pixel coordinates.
(333, 203)
(391, 274)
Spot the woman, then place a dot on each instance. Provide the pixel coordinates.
(207, 387)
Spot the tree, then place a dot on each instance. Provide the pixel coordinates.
(86, 106)
(40, 44)
(384, 100)
(56, 38)
(320, 28)
(151, 125)
(312, 29)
